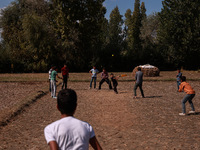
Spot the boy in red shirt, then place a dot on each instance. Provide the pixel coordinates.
(65, 75)
(184, 86)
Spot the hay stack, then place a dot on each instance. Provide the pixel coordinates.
(148, 70)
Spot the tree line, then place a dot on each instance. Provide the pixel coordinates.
(39, 33)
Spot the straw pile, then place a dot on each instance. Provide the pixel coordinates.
(148, 70)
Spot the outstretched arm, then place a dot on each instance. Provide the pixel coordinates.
(58, 77)
(95, 144)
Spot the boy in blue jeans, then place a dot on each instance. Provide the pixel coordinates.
(94, 73)
(178, 78)
(190, 95)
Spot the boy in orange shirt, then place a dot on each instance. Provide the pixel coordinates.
(184, 86)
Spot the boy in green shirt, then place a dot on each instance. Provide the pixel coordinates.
(54, 74)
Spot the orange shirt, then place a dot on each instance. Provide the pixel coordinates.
(186, 87)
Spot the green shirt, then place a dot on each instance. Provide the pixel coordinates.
(53, 75)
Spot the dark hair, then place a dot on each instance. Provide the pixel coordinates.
(183, 78)
(67, 101)
(139, 69)
(54, 67)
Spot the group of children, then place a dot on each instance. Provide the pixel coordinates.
(182, 85)
(72, 133)
(104, 78)
(52, 79)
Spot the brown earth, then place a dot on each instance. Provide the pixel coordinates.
(120, 122)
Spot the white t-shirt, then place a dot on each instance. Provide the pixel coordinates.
(50, 73)
(69, 133)
(94, 72)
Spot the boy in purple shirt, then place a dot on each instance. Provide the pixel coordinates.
(104, 76)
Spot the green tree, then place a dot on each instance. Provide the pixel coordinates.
(149, 29)
(133, 40)
(5, 62)
(78, 25)
(115, 38)
(26, 32)
(179, 32)
(143, 11)
(12, 32)
(128, 24)
(39, 33)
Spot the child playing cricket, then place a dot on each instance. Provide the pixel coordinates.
(138, 82)
(178, 78)
(54, 74)
(114, 81)
(190, 95)
(65, 75)
(104, 77)
(69, 132)
(94, 73)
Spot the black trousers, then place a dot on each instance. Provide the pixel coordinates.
(65, 77)
(140, 86)
(115, 87)
(107, 81)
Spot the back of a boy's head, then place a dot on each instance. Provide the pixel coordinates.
(183, 78)
(67, 101)
(54, 67)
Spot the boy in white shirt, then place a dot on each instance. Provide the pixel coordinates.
(94, 73)
(69, 132)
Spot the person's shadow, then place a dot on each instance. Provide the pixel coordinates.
(152, 96)
(196, 113)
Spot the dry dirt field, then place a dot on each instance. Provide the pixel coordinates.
(120, 122)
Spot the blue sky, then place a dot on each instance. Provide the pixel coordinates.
(4, 3)
(151, 6)
(123, 5)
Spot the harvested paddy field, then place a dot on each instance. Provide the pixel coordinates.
(120, 122)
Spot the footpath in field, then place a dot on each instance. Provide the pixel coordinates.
(120, 122)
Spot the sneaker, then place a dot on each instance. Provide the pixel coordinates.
(55, 97)
(89, 87)
(182, 114)
(192, 112)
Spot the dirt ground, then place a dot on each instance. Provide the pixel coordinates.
(119, 121)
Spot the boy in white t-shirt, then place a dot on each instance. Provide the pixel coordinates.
(94, 73)
(69, 132)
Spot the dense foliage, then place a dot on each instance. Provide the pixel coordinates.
(179, 33)
(39, 33)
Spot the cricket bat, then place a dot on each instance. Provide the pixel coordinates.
(123, 75)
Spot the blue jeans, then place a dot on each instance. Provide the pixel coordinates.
(93, 78)
(188, 98)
